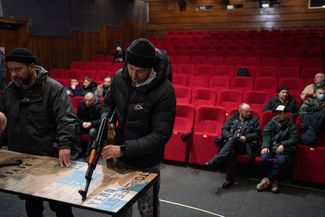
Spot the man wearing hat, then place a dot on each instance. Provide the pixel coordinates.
(279, 141)
(41, 121)
(283, 98)
(145, 110)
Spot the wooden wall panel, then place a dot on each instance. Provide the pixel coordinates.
(165, 15)
(58, 52)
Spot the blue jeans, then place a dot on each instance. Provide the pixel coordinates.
(274, 168)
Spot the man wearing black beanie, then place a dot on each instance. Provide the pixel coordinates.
(41, 121)
(283, 98)
(145, 103)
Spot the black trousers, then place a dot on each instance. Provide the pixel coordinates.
(34, 207)
(228, 154)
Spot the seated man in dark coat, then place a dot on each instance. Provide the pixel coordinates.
(312, 113)
(279, 141)
(88, 85)
(89, 116)
(282, 98)
(240, 134)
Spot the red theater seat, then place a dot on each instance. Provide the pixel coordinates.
(229, 99)
(187, 69)
(204, 96)
(241, 83)
(75, 102)
(197, 60)
(295, 85)
(177, 147)
(205, 70)
(265, 84)
(219, 82)
(180, 79)
(266, 71)
(256, 99)
(208, 123)
(198, 81)
(183, 94)
(224, 70)
(57, 73)
(288, 72)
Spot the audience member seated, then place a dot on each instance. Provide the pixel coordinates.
(310, 89)
(312, 113)
(74, 90)
(89, 117)
(279, 142)
(240, 134)
(119, 54)
(88, 85)
(283, 98)
(104, 87)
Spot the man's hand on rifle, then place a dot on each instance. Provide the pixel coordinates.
(111, 151)
(65, 157)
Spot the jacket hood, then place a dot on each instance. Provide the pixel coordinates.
(160, 69)
(41, 72)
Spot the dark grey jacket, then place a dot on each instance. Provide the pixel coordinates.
(145, 116)
(274, 135)
(40, 117)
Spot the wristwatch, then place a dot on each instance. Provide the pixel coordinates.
(122, 149)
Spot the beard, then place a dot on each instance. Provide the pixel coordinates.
(26, 81)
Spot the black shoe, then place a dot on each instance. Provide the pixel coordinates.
(227, 184)
(212, 165)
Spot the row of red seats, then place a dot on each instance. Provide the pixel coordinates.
(295, 85)
(254, 71)
(81, 65)
(196, 129)
(275, 61)
(225, 97)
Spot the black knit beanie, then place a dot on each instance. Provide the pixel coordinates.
(282, 88)
(141, 53)
(22, 55)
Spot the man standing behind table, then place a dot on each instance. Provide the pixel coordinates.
(41, 120)
(145, 106)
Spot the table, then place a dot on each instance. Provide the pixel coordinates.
(111, 191)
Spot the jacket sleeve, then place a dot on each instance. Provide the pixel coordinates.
(162, 123)
(227, 128)
(97, 116)
(304, 108)
(254, 134)
(292, 137)
(269, 105)
(267, 136)
(65, 117)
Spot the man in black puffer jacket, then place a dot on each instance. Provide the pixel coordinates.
(145, 109)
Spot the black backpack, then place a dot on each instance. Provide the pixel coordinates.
(242, 71)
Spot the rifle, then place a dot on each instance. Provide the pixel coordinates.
(95, 152)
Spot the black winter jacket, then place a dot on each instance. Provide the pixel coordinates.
(89, 114)
(290, 104)
(145, 115)
(275, 134)
(39, 118)
(250, 130)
